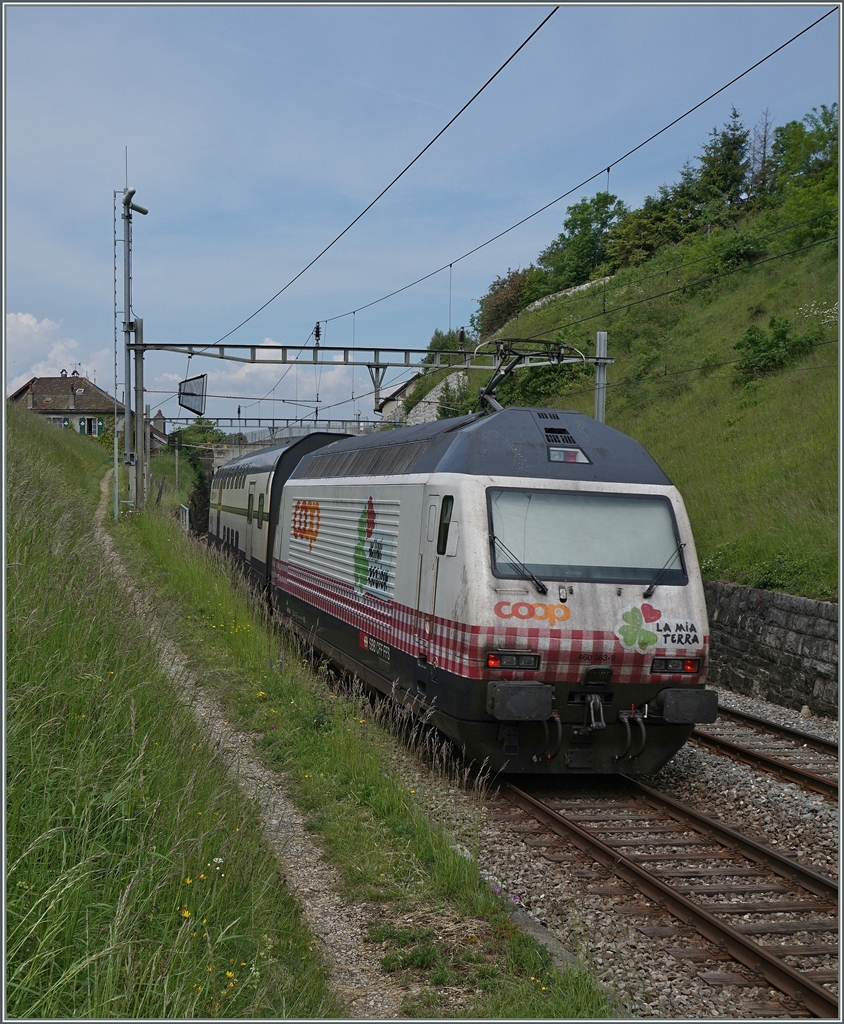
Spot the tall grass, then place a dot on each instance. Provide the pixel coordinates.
(138, 884)
(337, 749)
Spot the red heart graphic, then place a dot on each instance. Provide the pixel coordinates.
(649, 613)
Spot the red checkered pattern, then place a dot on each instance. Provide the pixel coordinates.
(460, 648)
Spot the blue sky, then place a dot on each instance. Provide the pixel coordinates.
(255, 134)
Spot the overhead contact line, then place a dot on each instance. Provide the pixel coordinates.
(393, 182)
(586, 181)
(673, 291)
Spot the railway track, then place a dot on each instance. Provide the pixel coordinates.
(797, 756)
(776, 920)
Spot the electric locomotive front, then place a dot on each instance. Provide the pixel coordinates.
(527, 579)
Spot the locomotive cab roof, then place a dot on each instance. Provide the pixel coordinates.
(517, 442)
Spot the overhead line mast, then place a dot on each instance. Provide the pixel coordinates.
(131, 326)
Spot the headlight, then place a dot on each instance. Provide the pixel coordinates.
(498, 659)
(674, 665)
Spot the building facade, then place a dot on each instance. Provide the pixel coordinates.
(71, 402)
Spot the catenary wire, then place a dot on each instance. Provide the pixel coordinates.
(586, 181)
(673, 291)
(393, 182)
(572, 323)
(753, 238)
(530, 216)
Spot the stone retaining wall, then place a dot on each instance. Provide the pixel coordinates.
(774, 646)
(425, 411)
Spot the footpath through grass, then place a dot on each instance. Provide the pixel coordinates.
(138, 883)
(337, 755)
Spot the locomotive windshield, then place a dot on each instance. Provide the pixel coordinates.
(566, 535)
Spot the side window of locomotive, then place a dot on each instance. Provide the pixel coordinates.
(260, 510)
(249, 506)
(445, 521)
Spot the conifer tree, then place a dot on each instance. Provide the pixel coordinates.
(724, 163)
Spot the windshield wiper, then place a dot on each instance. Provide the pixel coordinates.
(527, 574)
(655, 581)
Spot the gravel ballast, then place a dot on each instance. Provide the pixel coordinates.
(582, 913)
(637, 969)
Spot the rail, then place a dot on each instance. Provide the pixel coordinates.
(810, 761)
(597, 829)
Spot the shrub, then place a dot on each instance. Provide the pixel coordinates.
(764, 352)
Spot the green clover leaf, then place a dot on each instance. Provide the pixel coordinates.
(629, 634)
(634, 617)
(646, 639)
(633, 633)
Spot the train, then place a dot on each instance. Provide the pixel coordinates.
(526, 580)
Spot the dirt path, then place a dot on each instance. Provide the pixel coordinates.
(339, 925)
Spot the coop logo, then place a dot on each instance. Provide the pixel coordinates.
(550, 613)
(306, 521)
(372, 556)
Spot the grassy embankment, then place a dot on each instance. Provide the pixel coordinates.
(755, 456)
(138, 882)
(116, 809)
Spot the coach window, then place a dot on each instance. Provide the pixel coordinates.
(445, 520)
(249, 506)
(260, 510)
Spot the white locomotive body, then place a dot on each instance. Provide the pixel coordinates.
(527, 579)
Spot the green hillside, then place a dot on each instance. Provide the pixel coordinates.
(724, 341)
(756, 459)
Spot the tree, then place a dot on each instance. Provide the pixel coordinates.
(724, 163)
(581, 246)
(640, 233)
(196, 438)
(456, 398)
(761, 176)
(685, 199)
(447, 341)
(501, 303)
(196, 442)
(806, 152)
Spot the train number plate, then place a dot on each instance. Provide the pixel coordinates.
(377, 647)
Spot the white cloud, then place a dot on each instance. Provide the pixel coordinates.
(35, 348)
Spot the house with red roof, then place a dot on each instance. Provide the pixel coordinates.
(72, 402)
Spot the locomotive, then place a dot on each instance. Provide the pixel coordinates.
(526, 579)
